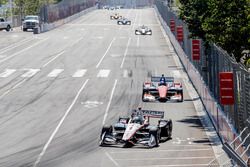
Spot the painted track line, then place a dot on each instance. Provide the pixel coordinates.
(171, 158)
(59, 54)
(7, 73)
(125, 53)
(15, 54)
(14, 87)
(153, 151)
(177, 165)
(3, 50)
(98, 64)
(59, 125)
(112, 159)
(109, 103)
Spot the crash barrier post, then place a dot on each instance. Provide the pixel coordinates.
(204, 74)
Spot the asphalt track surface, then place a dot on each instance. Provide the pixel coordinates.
(58, 88)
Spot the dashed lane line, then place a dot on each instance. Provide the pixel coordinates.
(79, 73)
(103, 73)
(55, 73)
(30, 73)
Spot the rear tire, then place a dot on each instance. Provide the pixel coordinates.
(181, 92)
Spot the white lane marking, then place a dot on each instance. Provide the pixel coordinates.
(112, 159)
(168, 158)
(3, 50)
(59, 125)
(103, 73)
(115, 55)
(30, 73)
(125, 73)
(14, 87)
(153, 151)
(18, 84)
(98, 64)
(176, 165)
(21, 51)
(55, 72)
(109, 103)
(7, 73)
(91, 104)
(98, 37)
(59, 54)
(125, 53)
(79, 73)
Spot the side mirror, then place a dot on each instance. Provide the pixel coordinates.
(22, 19)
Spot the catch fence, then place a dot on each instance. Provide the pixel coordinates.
(204, 73)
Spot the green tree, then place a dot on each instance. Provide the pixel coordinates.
(193, 13)
(31, 7)
(224, 22)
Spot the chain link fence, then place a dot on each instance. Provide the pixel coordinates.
(214, 60)
(54, 12)
(217, 60)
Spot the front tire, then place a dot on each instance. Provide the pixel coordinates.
(154, 137)
(106, 129)
(8, 28)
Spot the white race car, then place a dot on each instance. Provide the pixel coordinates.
(143, 30)
(123, 21)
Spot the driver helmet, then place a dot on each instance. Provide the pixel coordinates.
(137, 120)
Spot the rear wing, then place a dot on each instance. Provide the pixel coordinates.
(157, 79)
(149, 113)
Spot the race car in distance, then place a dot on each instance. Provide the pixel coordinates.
(116, 16)
(156, 91)
(143, 30)
(130, 131)
(123, 21)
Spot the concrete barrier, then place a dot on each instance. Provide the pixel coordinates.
(50, 26)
